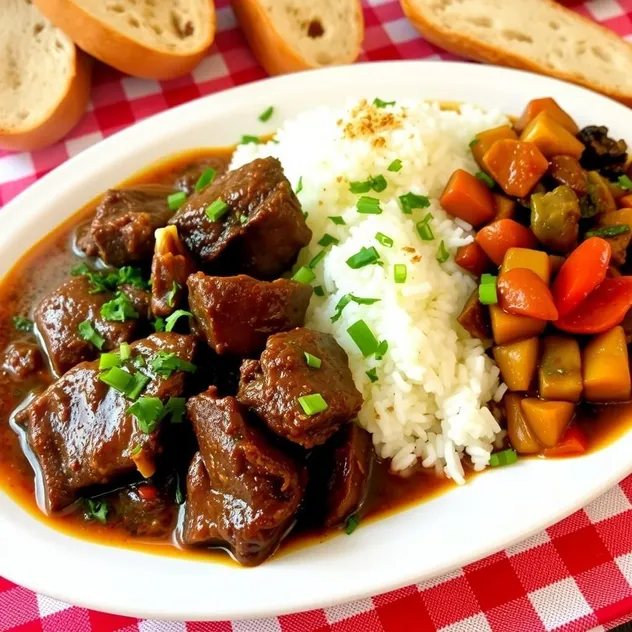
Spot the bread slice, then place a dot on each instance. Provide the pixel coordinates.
(154, 39)
(291, 35)
(539, 35)
(44, 79)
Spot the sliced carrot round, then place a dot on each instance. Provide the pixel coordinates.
(524, 293)
(498, 237)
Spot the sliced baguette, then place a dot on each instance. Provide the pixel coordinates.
(44, 79)
(145, 38)
(292, 35)
(539, 35)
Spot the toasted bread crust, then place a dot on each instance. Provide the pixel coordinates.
(62, 119)
(117, 49)
(478, 50)
(276, 54)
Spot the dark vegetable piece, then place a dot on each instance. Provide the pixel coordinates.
(474, 318)
(237, 314)
(125, 221)
(599, 199)
(170, 269)
(58, 318)
(262, 230)
(339, 473)
(602, 153)
(567, 170)
(555, 218)
(272, 386)
(584, 269)
(79, 429)
(242, 492)
(604, 308)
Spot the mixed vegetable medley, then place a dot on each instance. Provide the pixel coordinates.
(552, 207)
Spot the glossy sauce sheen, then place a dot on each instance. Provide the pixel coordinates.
(48, 264)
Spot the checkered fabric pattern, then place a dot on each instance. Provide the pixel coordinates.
(576, 576)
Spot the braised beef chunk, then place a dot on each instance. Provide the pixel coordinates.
(58, 318)
(339, 473)
(237, 314)
(80, 432)
(191, 174)
(22, 360)
(170, 268)
(140, 300)
(252, 493)
(84, 241)
(272, 386)
(262, 229)
(125, 221)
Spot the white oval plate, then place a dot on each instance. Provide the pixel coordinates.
(494, 511)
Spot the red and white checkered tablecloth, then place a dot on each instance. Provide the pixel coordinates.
(575, 576)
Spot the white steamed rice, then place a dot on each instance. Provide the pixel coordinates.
(434, 381)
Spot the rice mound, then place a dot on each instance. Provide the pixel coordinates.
(428, 404)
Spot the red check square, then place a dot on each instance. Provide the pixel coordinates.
(495, 584)
(581, 550)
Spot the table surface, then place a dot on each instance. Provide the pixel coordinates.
(575, 576)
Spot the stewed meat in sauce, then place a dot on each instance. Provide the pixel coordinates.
(237, 314)
(245, 491)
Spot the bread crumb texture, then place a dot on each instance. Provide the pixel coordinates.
(35, 62)
(551, 36)
(167, 25)
(323, 31)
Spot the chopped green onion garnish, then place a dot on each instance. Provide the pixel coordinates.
(136, 449)
(80, 270)
(171, 297)
(299, 186)
(207, 177)
(89, 333)
(137, 385)
(353, 522)
(400, 272)
(216, 210)
(312, 360)
(378, 183)
(304, 275)
(442, 255)
(319, 291)
(506, 457)
(364, 338)
(395, 166)
(360, 187)
(483, 177)
(159, 324)
(350, 298)
(243, 219)
(117, 379)
(22, 324)
(365, 257)
(247, 139)
(488, 278)
(175, 408)
(119, 309)
(312, 404)
(382, 348)
(378, 103)
(424, 230)
(109, 360)
(170, 323)
(176, 200)
(487, 294)
(328, 240)
(165, 363)
(625, 183)
(609, 231)
(266, 114)
(97, 510)
(474, 141)
(336, 219)
(411, 201)
(385, 240)
(148, 411)
(317, 259)
(139, 362)
(125, 351)
(368, 205)
(372, 374)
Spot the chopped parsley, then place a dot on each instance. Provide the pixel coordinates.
(97, 510)
(22, 323)
(170, 323)
(89, 333)
(119, 309)
(171, 297)
(395, 166)
(165, 363)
